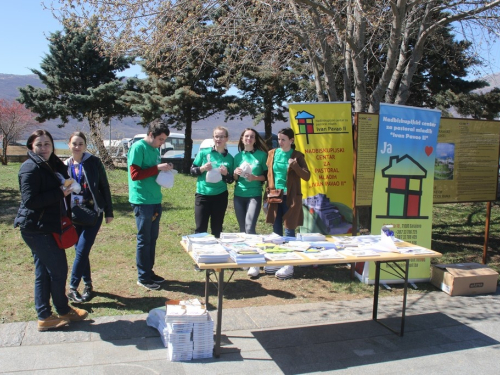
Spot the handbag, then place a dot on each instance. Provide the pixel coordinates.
(68, 236)
(82, 215)
(275, 196)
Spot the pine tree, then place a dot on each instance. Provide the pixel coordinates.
(80, 82)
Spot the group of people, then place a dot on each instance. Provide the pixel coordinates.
(45, 199)
(281, 168)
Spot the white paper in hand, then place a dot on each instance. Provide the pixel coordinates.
(166, 178)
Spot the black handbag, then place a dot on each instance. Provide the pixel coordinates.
(82, 215)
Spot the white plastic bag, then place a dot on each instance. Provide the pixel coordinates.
(166, 178)
(213, 176)
(246, 169)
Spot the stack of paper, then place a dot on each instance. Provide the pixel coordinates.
(203, 341)
(283, 256)
(273, 238)
(242, 253)
(199, 238)
(311, 237)
(359, 252)
(213, 253)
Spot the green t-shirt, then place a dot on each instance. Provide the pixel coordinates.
(145, 191)
(280, 167)
(257, 159)
(217, 159)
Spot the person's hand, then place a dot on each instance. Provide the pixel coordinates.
(109, 220)
(66, 190)
(206, 167)
(238, 171)
(223, 170)
(165, 167)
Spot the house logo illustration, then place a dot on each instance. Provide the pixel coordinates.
(307, 125)
(305, 120)
(404, 189)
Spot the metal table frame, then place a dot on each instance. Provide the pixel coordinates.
(392, 264)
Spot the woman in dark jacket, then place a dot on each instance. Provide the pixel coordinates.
(41, 180)
(89, 172)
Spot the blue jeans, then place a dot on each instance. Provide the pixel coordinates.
(247, 212)
(81, 265)
(51, 271)
(147, 219)
(278, 223)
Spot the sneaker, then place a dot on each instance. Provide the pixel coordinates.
(253, 271)
(271, 270)
(157, 279)
(74, 296)
(51, 322)
(149, 286)
(75, 314)
(285, 273)
(87, 293)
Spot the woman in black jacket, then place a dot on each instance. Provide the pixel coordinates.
(89, 172)
(43, 202)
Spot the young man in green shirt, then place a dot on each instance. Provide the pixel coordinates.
(144, 164)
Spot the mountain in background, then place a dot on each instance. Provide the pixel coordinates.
(126, 127)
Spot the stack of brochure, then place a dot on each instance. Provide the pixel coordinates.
(242, 253)
(203, 339)
(326, 254)
(311, 237)
(273, 238)
(215, 253)
(199, 238)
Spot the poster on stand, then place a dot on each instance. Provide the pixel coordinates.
(404, 182)
(323, 133)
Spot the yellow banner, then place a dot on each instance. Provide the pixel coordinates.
(323, 133)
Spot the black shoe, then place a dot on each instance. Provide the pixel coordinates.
(150, 286)
(157, 279)
(74, 296)
(87, 293)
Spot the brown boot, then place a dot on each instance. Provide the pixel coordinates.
(52, 322)
(75, 314)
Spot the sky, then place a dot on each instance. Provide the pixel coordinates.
(24, 25)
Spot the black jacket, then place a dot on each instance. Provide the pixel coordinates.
(97, 180)
(42, 200)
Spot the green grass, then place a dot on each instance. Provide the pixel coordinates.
(458, 233)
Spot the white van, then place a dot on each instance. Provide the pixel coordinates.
(172, 148)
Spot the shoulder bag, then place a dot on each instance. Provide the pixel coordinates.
(68, 237)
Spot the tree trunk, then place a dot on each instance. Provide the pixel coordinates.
(95, 134)
(188, 146)
(5, 143)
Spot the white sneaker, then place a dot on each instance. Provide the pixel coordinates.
(253, 271)
(285, 273)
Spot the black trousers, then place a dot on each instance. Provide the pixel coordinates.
(210, 207)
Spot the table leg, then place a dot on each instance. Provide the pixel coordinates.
(220, 295)
(207, 281)
(376, 290)
(403, 315)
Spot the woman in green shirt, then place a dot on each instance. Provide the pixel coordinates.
(211, 191)
(250, 172)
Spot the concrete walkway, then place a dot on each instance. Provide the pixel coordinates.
(443, 335)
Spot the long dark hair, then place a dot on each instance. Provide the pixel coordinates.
(289, 133)
(53, 161)
(259, 142)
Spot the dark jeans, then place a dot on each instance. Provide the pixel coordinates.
(81, 265)
(247, 212)
(210, 207)
(51, 271)
(147, 219)
(278, 223)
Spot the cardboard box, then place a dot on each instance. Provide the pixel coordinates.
(463, 279)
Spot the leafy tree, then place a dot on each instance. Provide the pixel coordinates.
(182, 91)
(15, 120)
(478, 106)
(80, 82)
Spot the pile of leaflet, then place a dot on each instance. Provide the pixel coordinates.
(243, 253)
(215, 253)
(200, 239)
(310, 237)
(190, 330)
